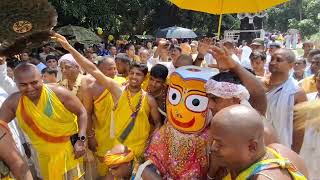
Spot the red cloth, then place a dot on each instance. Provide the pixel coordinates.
(177, 155)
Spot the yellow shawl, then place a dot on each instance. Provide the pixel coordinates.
(49, 126)
(102, 110)
(137, 138)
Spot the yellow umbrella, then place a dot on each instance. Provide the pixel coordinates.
(226, 6)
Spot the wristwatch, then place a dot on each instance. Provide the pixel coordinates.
(82, 138)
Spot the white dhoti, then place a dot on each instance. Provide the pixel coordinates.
(280, 110)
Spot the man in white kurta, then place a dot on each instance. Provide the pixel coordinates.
(283, 93)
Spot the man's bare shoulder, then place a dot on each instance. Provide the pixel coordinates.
(13, 100)
(151, 100)
(60, 91)
(89, 82)
(293, 157)
(273, 174)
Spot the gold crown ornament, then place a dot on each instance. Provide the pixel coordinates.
(25, 24)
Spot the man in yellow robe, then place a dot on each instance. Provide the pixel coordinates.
(130, 124)
(308, 84)
(99, 103)
(53, 119)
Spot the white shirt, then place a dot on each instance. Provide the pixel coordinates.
(6, 82)
(208, 59)
(245, 60)
(280, 109)
(169, 65)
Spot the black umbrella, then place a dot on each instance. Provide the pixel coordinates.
(176, 32)
(79, 34)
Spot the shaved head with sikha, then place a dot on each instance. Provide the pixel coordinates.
(28, 80)
(237, 134)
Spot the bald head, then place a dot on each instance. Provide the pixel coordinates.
(108, 60)
(108, 66)
(183, 60)
(28, 80)
(240, 121)
(288, 54)
(144, 55)
(25, 68)
(237, 136)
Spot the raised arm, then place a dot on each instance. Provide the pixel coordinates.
(203, 49)
(89, 67)
(5, 81)
(258, 98)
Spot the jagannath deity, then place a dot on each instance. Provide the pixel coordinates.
(178, 149)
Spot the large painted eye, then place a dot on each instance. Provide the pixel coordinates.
(197, 103)
(174, 96)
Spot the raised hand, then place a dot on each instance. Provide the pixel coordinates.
(204, 45)
(223, 57)
(62, 40)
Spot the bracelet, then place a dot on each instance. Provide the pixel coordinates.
(210, 178)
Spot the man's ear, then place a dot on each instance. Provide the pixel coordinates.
(253, 146)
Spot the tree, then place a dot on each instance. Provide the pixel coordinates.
(297, 14)
(131, 17)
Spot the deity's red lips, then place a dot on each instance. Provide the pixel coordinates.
(182, 124)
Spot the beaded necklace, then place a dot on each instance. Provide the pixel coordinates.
(136, 109)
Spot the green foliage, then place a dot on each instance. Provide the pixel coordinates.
(296, 14)
(128, 17)
(306, 26)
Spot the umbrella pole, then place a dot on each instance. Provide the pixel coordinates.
(219, 27)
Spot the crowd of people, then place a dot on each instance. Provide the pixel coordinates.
(123, 112)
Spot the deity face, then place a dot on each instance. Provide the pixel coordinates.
(187, 103)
